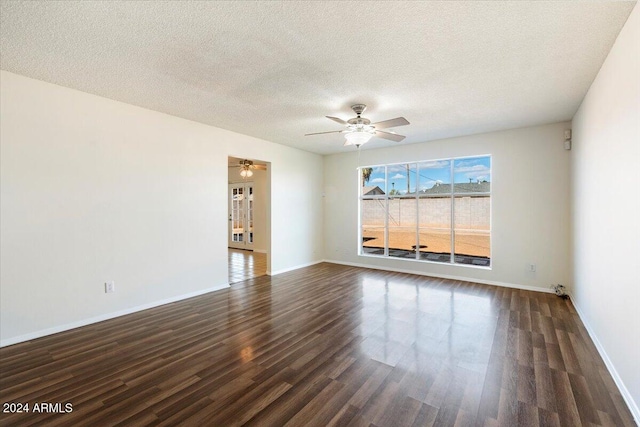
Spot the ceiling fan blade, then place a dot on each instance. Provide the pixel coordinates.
(391, 123)
(260, 167)
(388, 135)
(320, 133)
(335, 119)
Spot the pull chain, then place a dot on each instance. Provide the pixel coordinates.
(358, 164)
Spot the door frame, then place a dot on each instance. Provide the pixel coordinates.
(245, 239)
(266, 194)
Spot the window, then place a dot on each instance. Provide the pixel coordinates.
(437, 211)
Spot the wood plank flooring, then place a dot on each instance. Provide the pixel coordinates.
(326, 345)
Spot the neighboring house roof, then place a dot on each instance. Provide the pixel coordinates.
(372, 190)
(467, 187)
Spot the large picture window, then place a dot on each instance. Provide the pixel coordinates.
(438, 211)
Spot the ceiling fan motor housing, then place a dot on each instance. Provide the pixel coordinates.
(360, 123)
(359, 108)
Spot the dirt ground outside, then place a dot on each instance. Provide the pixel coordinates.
(472, 244)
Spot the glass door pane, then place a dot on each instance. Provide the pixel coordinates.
(249, 228)
(237, 214)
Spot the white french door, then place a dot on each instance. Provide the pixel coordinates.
(241, 215)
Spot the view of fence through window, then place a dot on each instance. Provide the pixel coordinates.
(437, 211)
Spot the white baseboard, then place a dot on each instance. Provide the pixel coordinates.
(284, 270)
(445, 276)
(107, 316)
(633, 406)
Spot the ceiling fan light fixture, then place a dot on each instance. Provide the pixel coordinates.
(360, 129)
(246, 172)
(358, 138)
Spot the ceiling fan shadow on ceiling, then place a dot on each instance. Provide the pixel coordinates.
(247, 166)
(360, 129)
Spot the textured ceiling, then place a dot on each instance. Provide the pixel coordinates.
(274, 69)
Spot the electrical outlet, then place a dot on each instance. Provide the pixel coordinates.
(109, 287)
(532, 268)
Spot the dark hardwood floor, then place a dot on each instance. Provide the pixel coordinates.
(324, 345)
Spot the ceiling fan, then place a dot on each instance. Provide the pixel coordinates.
(246, 168)
(360, 129)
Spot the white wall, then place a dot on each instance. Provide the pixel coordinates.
(95, 190)
(296, 202)
(260, 205)
(530, 205)
(606, 210)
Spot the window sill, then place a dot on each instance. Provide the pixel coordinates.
(477, 267)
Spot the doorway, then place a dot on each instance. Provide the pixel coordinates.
(248, 238)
